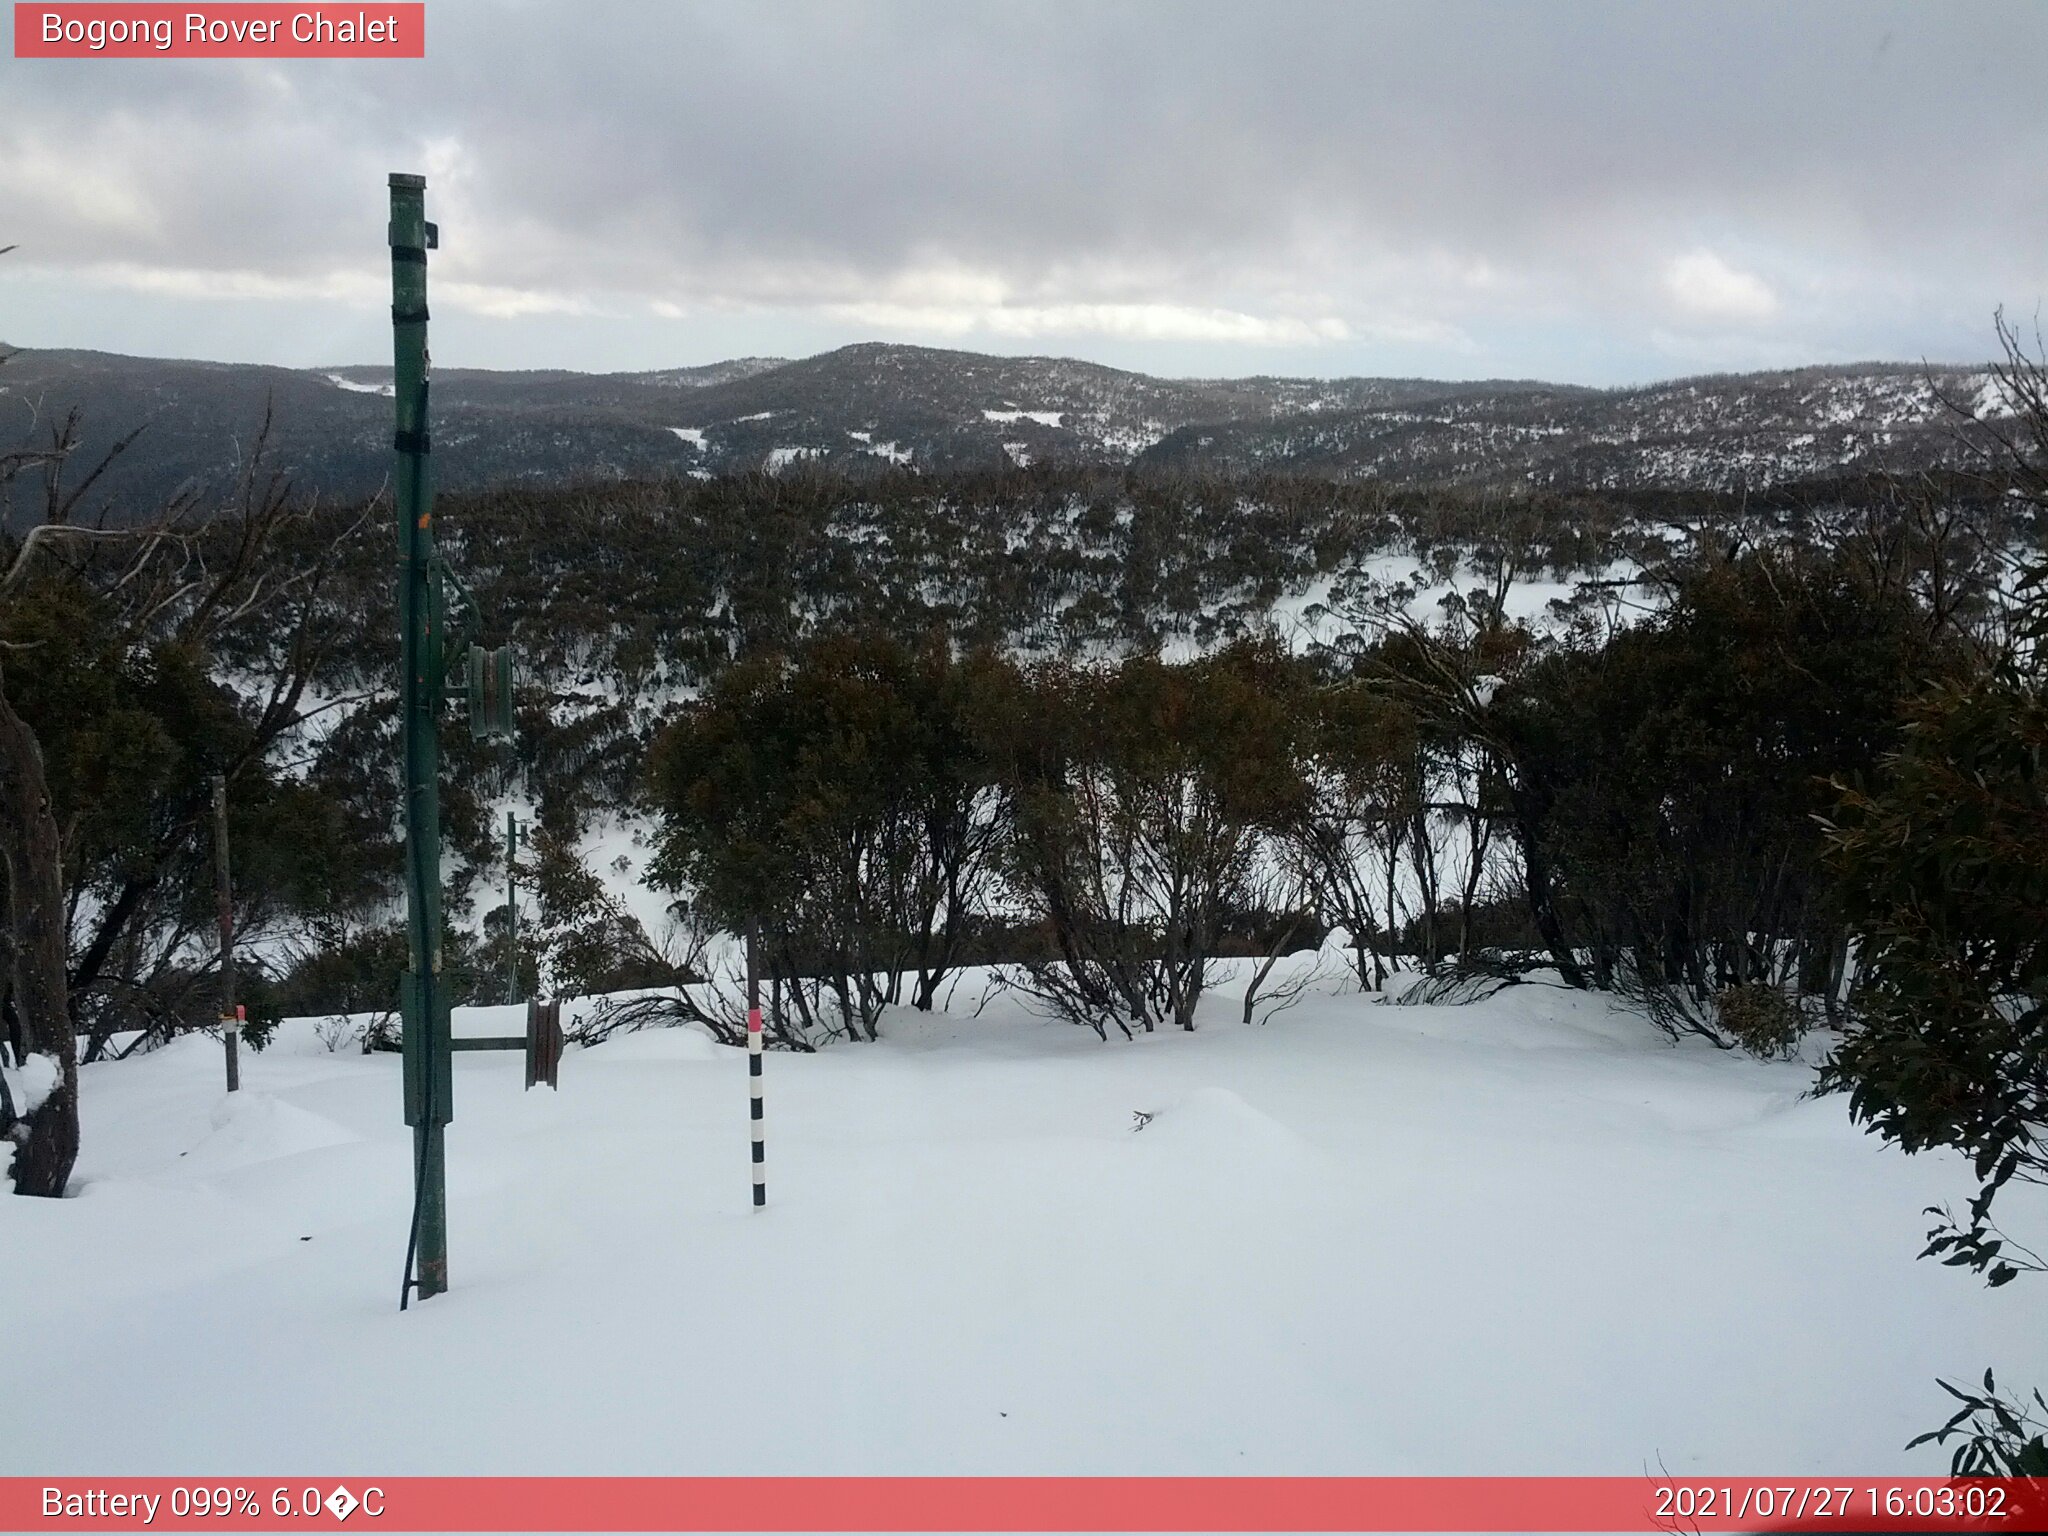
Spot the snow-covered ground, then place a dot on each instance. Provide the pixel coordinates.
(1521, 1236)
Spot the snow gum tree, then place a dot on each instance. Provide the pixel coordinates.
(1362, 759)
(1683, 764)
(45, 1135)
(841, 802)
(1942, 853)
(1144, 796)
(112, 721)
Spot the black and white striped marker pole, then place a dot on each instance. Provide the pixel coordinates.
(754, 1053)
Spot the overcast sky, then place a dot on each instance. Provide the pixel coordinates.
(1591, 192)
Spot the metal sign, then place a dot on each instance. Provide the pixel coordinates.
(490, 693)
(543, 1042)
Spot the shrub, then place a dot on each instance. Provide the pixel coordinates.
(1760, 1019)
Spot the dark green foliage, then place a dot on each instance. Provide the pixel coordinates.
(1361, 754)
(667, 582)
(855, 801)
(1143, 795)
(1996, 1437)
(585, 942)
(259, 1023)
(840, 800)
(1943, 857)
(624, 596)
(356, 973)
(1671, 777)
(1499, 925)
(129, 703)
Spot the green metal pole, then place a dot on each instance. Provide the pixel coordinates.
(429, 1101)
(511, 908)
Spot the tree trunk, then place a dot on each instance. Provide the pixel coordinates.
(46, 1143)
(1265, 967)
(1422, 851)
(1536, 870)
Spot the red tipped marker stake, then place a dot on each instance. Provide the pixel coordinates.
(754, 1042)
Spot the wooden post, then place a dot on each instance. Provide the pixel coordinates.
(230, 1015)
(511, 907)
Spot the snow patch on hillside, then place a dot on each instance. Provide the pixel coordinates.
(1129, 441)
(1994, 397)
(1010, 418)
(341, 381)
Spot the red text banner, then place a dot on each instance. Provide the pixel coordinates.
(232, 31)
(919, 1504)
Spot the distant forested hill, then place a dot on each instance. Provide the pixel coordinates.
(873, 409)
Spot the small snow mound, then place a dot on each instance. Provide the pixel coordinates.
(919, 1030)
(31, 1083)
(679, 1044)
(1216, 1125)
(251, 1127)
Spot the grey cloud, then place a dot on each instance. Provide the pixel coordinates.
(1366, 181)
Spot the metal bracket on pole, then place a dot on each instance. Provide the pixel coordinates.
(428, 1074)
(542, 1043)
